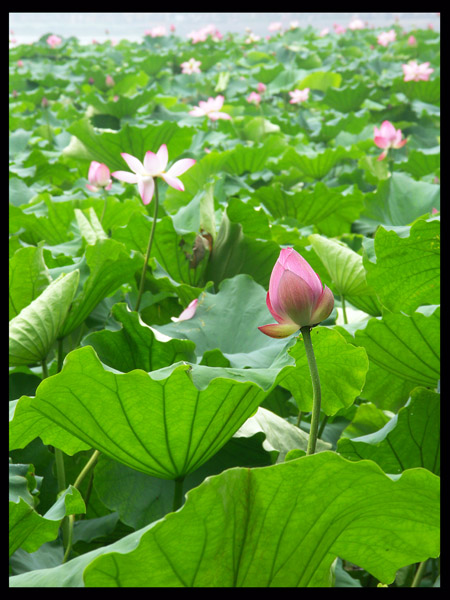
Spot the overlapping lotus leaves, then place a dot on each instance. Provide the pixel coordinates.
(165, 423)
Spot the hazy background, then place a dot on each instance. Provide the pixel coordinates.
(29, 27)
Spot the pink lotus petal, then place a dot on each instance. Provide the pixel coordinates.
(134, 163)
(381, 142)
(295, 298)
(163, 156)
(180, 167)
(125, 176)
(189, 311)
(152, 164)
(146, 188)
(174, 182)
(279, 330)
(214, 116)
(323, 307)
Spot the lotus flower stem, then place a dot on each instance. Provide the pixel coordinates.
(419, 574)
(85, 470)
(344, 312)
(178, 493)
(60, 470)
(306, 332)
(149, 247)
(105, 198)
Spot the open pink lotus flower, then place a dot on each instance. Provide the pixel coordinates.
(53, 40)
(190, 66)
(210, 109)
(299, 96)
(385, 37)
(388, 137)
(254, 97)
(296, 297)
(99, 177)
(412, 71)
(154, 166)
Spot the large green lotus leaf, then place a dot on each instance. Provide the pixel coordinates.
(25, 425)
(271, 529)
(347, 98)
(384, 389)
(28, 277)
(422, 162)
(399, 200)
(426, 91)
(106, 146)
(29, 530)
(406, 273)
(174, 252)
(43, 220)
(410, 439)
(126, 106)
(165, 423)
(406, 345)
(342, 371)
(321, 81)
(135, 346)
(234, 253)
(343, 264)
(34, 330)
(312, 205)
(110, 265)
(229, 321)
(316, 164)
(263, 439)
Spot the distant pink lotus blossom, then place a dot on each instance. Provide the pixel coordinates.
(190, 66)
(412, 41)
(172, 27)
(99, 177)
(201, 35)
(434, 211)
(387, 137)
(53, 41)
(211, 109)
(385, 37)
(254, 98)
(339, 28)
(252, 37)
(275, 26)
(20, 63)
(261, 88)
(356, 23)
(412, 71)
(154, 165)
(299, 96)
(325, 31)
(158, 31)
(189, 311)
(109, 81)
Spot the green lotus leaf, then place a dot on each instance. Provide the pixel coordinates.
(264, 531)
(165, 423)
(34, 330)
(28, 277)
(406, 273)
(410, 439)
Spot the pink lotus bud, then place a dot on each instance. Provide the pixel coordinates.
(109, 81)
(261, 88)
(20, 63)
(44, 102)
(91, 80)
(296, 297)
(412, 41)
(99, 177)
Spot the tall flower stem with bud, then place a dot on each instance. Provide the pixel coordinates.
(317, 394)
(149, 247)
